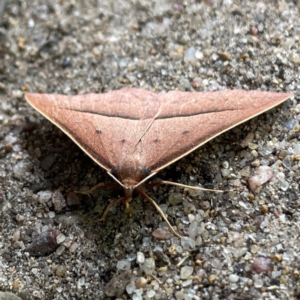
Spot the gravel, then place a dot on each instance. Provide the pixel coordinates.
(235, 245)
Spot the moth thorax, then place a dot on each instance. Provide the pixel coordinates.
(129, 185)
(130, 173)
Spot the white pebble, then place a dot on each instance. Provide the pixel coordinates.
(140, 257)
(187, 243)
(189, 54)
(123, 264)
(60, 250)
(148, 266)
(17, 94)
(20, 169)
(296, 149)
(34, 271)
(10, 139)
(199, 54)
(150, 294)
(233, 278)
(73, 247)
(186, 271)
(179, 295)
(81, 281)
(44, 196)
(130, 288)
(51, 214)
(60, 238)
(187, 283)
(193, 230)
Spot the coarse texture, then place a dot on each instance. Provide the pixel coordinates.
(242, 244)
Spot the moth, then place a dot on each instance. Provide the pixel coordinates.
(134, 133)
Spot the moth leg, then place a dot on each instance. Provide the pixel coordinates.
(159, 210)
(112, 203)
(106, 184)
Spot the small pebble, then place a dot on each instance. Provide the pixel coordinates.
(161, 256)
(264, 209)
(60, 238)
(277, 257)
(212, 278)
(47, 271)
(197, 82)
(141, 282)
(262, 175)
(189, 54)
(150, 294)
(224, 56)
(20, 169)
(186, 271)
(123, 264)
(58, 200)
(60, 271)
(149, 266)
(117, 285)
(44, 244)
(193, 230)
(16, 284)
(8, 147)
(130, 288)
(187, 283)
(205, 205)
(16, 236)
(175, 199)
(60, 250)
(17, 94)
(20, 218)
(189, 209)
(248, 139)
(262, 264)
(73, 247)
(44, 196)
(233, 278)
(140, 257)
(258, 282)
(187, 243)
(179, 295)
(34, 271)
(161, 234)
(51, 214)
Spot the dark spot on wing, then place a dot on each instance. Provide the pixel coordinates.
(98, 131)
(186, 132)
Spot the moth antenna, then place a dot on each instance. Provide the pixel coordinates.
(194, 187)
(159, 210)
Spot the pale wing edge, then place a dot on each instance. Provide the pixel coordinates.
(68, 134)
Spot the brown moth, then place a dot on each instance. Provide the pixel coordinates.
(134, 133)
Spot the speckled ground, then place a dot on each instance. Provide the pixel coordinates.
(237, 245)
